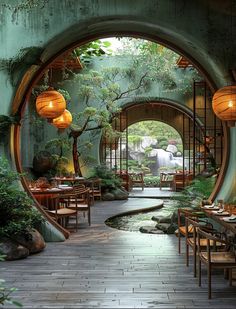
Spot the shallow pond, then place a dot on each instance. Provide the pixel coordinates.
(133, 222)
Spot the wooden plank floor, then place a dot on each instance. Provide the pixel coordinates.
(101, 267)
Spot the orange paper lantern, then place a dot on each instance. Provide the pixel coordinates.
(224, 104)
(50, 104)
(63, 121)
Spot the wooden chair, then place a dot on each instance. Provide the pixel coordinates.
(96, 188)
(191, 238)
(183, 213)
(126, 181)
(62, 212)
(166, 180)
(221, 260)
(137, 178)
(180, 181)
(79, 199)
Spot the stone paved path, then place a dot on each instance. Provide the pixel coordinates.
(101, 267)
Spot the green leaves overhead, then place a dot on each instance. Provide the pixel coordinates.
(92, 49)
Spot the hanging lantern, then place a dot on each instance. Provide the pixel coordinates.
(50, 104)
(63, 121)
(224, 104)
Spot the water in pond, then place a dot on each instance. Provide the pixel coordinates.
(133, 222)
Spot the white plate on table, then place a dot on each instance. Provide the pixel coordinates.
(63, 186)
(231, 219)
(211, 207)
(220, 213)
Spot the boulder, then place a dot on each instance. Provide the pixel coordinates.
(174, 217)
(33, 241)
(108, 196)
(157, 219)
(162, 219)
(12, 250)
(150, 230)
(120, 194)
(172, 148)
(168, 228)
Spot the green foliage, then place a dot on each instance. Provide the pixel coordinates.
(163, 144)
(25, 58)
(6, 295)
(200, 188)
(38, 89)
(161, 64)
(17, 213)
(134, 139)
(109, 179)
(92, 49)
(155, 129)
(151, 181)
(58, 145)
(7, 121)
(65, 94)
(59, 148)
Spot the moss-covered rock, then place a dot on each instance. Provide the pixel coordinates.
(120, 194)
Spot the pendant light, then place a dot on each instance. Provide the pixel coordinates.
(50, 104)
(224, 104)
(63, 121)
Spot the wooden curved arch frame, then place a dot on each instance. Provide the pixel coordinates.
(35, 72)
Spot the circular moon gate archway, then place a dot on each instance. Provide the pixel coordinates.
(194, 131)
(52, 52)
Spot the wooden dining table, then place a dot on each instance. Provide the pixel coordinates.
(47, 197)
(71, 180)
(219, 218)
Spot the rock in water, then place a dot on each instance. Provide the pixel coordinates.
(150, 230)
(12, 250)
(33, 241)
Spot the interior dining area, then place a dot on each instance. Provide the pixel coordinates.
(117, 154)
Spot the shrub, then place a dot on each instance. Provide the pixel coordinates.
(152, 181)
(17, 213)
(163, 144)
(108, 179)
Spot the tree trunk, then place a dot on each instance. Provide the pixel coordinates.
(76, 157)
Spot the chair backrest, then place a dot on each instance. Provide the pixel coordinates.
(210, 238)
(83, 194)
(184, 213)
(165, 177)
(194, 223)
